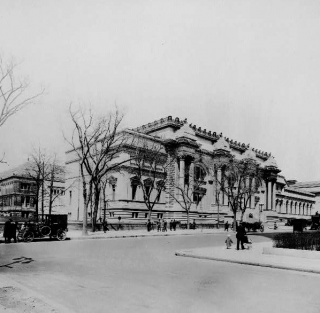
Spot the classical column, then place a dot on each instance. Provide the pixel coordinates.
(274, 196)
(182, 172)
(269, 205)
(191, 176)
(252, 200)
(218, 186)
(266, 196)
(176, 179)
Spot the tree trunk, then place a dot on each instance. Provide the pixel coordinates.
(188, 220)
(51, 193)
(85, 209)
(235, 220)
(95, 207)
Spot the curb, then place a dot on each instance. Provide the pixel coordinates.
(260, 264)
(137, 235)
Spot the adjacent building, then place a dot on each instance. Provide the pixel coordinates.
(18, 193)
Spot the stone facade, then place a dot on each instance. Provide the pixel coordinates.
(195, 151)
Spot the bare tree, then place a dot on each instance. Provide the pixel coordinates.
(56, 174)
(240, 181)
(44, 170)
(98, 144)
(37, 171)
(186, 195)
(150, 169)
(13, 92)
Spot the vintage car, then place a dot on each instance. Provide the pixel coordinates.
(52, 226)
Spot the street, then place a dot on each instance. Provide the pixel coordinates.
(144, 275)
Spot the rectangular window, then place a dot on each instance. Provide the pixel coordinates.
(111, 214)
(134, 191)
(146, 215)
(135, 214)
(160, 215)
(70, 199)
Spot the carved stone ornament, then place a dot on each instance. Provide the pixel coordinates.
(221, 144)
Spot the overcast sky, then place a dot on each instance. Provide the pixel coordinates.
(248, 69)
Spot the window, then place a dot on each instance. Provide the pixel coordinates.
(199, 173)
(135, 214)
(146, 215)
(134, 185)
(70, 197)
(111, 214)
(134, 192)
(160, 215)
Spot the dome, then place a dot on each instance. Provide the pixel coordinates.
(271, 162)
(221, 144)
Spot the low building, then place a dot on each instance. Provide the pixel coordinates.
(18, 193)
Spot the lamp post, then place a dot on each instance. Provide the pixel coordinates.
(260, 209)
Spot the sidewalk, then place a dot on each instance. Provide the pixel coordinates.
(256, 257)
(77, 234)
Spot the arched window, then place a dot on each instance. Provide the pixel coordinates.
(134, 184)
(199, 173)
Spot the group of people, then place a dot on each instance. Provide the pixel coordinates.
(241, 236)
(10, 231)
(162, 225)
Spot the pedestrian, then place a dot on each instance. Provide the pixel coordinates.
(158, 225)
(170, 224)
(105, 225)
(149, 225)
(13, 231)
(241, 236)
(194, 226)
(174, 225)
(7, 231)
(229, 242)
(226, 226)
(119, 223)
(165, 225)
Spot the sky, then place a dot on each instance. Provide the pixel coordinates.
(249, 69)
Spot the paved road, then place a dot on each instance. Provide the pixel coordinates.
(144, 275)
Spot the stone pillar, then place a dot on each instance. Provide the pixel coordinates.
(252, 200)
(182, 172)
(176, 179)
(191, 176)
(274, 196)
(266, 196)
(218, 186)
(209, 195)
(269, 195)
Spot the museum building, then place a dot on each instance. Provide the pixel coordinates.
(196, 151)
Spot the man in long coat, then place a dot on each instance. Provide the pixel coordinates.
(7, 231)
(241, 234)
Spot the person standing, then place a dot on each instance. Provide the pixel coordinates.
(149, 225)
(228, 242)
(241, 234)
(174, 225)
(119, 223)
(165, 225)
(13, 231)
(7, 231)
(105, 225)
(226, 226)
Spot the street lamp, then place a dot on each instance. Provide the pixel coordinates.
(260, 209)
